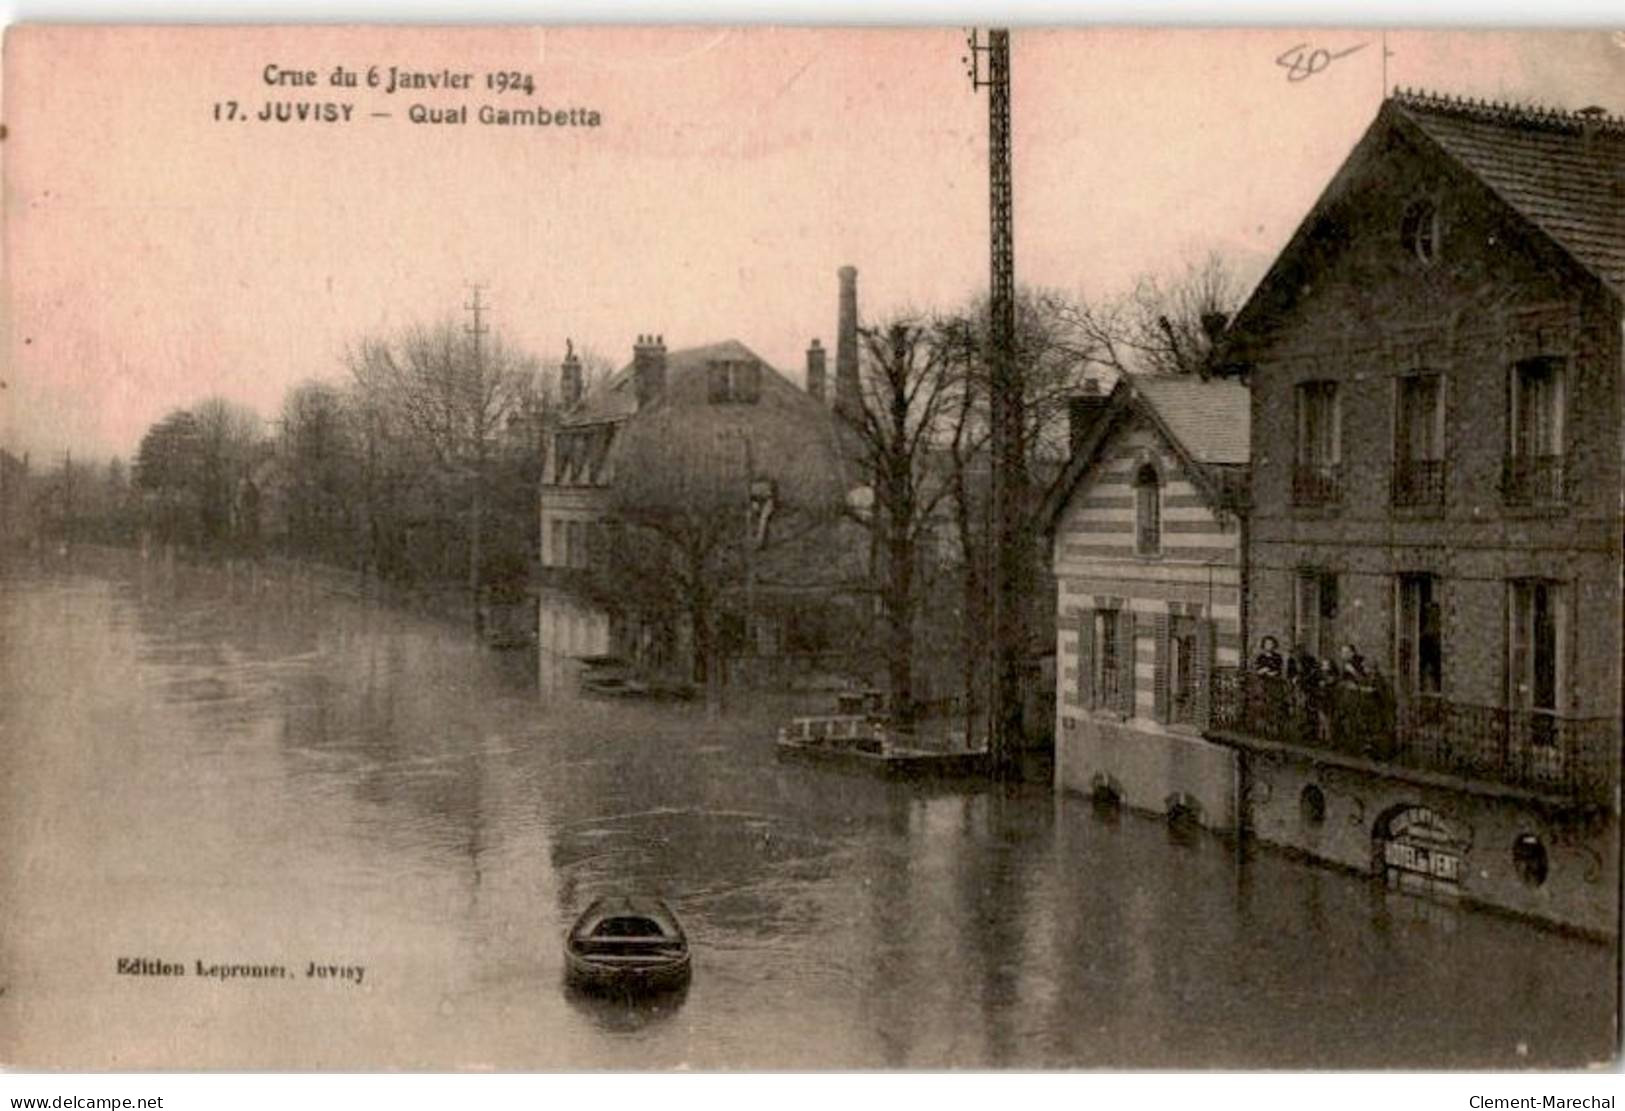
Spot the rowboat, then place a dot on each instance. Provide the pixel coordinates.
(628, 944)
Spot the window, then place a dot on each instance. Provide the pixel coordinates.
(1534, 469)
(1317, 479)
(1418, 477)
(576, 555)
(1147, 511)
(1182, 660)
(1108, 680)
(1316, 619)
(561, 555)
(1419, 647)
(733, 380)
(1534, 666)
(1419, 230)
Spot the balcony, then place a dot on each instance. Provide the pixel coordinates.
(1534, 480)
(1576, 759)
(1417, 482)
(1317, 483)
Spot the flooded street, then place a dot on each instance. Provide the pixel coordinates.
(201, 767)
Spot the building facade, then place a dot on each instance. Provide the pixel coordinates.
(1145, 535)
(701, 446)
(1435, 531)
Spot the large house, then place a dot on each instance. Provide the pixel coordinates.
(1435, 364)
(715, 434)
(1145, 534)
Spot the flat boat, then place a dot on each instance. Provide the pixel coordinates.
(629, 944)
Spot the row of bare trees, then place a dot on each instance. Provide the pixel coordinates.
(923, 432)
(419, 466)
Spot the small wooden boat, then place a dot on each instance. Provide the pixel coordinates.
(627, 944)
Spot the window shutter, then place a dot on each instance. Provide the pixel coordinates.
(1125, 662)
(1161, 677)
(1086, 660)
(1203, 671)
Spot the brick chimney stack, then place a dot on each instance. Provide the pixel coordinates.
(570, 377)
(649, 369)
(815, 370)
(1083, 411)
(847, 390)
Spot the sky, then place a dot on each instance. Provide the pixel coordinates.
(156, 255)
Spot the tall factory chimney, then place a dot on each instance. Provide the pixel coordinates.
(847, 390)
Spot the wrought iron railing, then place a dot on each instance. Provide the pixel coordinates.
(1417, 482)
(1534, 480)
(1577, 758)
(1317, 483)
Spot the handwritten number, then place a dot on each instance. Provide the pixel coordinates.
(1302, 63)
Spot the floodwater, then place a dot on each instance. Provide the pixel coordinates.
(217, 768)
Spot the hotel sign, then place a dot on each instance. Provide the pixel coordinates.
(1419, 842)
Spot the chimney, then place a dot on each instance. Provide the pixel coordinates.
(570, 377)
(649, 369)
(1083, 411)
(847, 390)
(815, 370)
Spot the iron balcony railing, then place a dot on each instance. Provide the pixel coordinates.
(1534, 480)
(1317, 483)
(1575, 758)
(1417, 482)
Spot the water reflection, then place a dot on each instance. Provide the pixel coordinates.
(280, 773)
(626, 1014)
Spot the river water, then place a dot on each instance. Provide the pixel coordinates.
(217, 768)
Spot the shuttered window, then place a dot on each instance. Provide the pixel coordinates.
(1125, 657)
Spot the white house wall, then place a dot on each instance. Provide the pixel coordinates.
(1147, 762)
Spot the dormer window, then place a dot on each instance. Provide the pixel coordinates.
(1419, 231)
(733, 380)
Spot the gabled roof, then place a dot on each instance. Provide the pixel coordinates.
(1208, 417)
(1564, 172)
(1205, 421)
(1561, 173)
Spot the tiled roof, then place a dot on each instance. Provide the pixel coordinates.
(1562, 171)
(616, 397)
(1209, 417)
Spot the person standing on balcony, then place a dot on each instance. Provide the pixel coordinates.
(1268, 662)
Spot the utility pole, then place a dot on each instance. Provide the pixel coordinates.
(1011, 542)
(477, 331)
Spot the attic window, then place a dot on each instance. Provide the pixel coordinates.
(1419, 230)
(734, 380)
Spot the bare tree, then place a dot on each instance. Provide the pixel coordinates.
(454, 395)
(1164, 326)
(319, 465)
(707, 497)
(908, 396)
(1053, 357)
(229, 438)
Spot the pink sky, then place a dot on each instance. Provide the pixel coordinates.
(155, 256)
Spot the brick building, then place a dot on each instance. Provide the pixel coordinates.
(1435, 365)
(1145, 537)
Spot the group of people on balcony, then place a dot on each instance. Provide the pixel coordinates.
(1340, 703)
